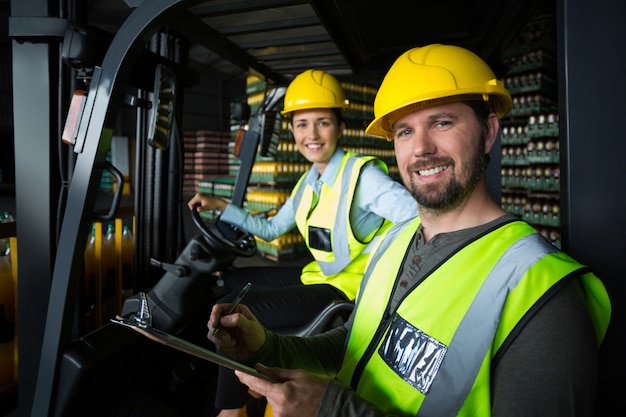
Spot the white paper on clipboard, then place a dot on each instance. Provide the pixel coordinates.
(190, 348)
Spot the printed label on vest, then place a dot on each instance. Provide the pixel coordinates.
(412, 354)
(319, 238)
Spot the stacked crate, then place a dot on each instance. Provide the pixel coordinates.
(205, 155)
(530, 134)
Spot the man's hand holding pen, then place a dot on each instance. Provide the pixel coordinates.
(240, 334)
(294, 392)
(234, 305)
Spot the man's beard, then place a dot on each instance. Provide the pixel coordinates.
(451, 195)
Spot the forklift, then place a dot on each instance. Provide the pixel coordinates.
(113, 370)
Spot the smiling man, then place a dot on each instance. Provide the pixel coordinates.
(465, 310)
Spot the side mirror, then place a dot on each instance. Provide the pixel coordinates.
(268, 145)
(162, 110)
(268, 120)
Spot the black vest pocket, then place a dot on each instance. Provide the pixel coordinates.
(319, 238)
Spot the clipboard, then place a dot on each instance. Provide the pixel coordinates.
(188, 347)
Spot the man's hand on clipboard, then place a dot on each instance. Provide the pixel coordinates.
(298, 394)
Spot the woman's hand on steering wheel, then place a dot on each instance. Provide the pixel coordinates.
(223, 236)
(203, 202)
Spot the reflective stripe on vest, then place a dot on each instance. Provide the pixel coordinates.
(474, 335)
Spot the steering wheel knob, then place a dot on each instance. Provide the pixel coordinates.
(246, 243)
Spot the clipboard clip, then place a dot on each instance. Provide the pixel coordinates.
(142, 318)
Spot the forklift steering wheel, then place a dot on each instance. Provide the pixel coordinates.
(225, 237)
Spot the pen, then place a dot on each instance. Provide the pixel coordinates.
(234, 305)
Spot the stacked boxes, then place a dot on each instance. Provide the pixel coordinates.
(205, 155)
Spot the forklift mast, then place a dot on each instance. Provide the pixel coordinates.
(105, 96)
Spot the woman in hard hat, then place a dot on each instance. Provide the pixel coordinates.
(340, 205)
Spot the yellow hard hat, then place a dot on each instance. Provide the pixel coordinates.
(314, 89)
(434, 74)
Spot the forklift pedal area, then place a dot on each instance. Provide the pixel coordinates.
(114, 371)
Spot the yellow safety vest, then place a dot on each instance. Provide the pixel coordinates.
(324, 222)
(432, 354)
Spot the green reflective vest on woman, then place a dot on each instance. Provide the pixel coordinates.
(324, 222)
(432, 354)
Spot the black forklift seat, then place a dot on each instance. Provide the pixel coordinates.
(335, 314)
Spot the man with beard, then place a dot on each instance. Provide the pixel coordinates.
(465, 310)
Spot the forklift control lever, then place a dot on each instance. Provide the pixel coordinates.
(178, 270)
